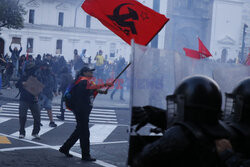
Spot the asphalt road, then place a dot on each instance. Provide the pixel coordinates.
(108, 129)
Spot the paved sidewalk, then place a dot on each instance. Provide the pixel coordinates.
(100, 101)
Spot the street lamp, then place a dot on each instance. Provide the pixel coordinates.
(243, 44)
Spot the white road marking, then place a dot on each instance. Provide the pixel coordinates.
(102, 163)
(92, 120)
(99, 132)
(22, 148)
(107, 116)
(44, 129)
(4, 120)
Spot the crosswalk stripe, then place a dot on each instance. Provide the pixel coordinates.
(44, 129)
(45, 114)
(15, 104)
(69, 114)
(104, 121)
(4, 120)
(14, 108)
(96, 116)
(56, 107)
(99, 132)
(92, 120)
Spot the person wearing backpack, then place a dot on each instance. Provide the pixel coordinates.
(192, 130)
(82, 95)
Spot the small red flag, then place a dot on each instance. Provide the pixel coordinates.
(203, 50)
(192, 53)
(128, 19)
(27, 55)
(248, 60)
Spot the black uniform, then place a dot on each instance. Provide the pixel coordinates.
(238, 119)
(83, 99)
(190, 140)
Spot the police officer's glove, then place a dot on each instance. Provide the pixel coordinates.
(157, 116)
(139, 117)
(148, 114)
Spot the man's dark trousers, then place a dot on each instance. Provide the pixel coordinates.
(81, 131)
(34, 108)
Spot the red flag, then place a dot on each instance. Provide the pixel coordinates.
(203, 50)
(248, 60)
(27, 55)
(128, 19)
(192, 53)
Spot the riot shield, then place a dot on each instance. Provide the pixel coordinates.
(156, 73)
(152, 79)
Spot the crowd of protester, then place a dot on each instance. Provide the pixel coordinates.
(55, 73)
(105, 69)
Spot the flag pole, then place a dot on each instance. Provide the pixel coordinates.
(119, 75)
(132, 43)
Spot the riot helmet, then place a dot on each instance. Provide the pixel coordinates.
(196, 99)
(237, 107)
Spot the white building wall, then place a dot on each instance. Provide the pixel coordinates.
(226, 28)
(74, 34)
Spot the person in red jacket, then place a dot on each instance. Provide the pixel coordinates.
(83, 93)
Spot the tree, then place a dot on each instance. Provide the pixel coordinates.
(11, 14)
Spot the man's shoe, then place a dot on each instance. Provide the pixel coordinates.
(88, 158)
(66, 153)
(60, 117)
(21, 136)
(36, 136)
(52, 124)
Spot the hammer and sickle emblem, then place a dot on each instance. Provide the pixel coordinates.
(121, 19)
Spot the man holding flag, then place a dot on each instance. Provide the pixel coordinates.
(129, 20)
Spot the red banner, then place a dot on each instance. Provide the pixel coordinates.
(203, 50)
(192, 53)
(248, 60)
(128, 19)
(201, 54)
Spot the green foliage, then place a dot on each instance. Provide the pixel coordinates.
(11, 14)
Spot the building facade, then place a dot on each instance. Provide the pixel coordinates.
(218, 23)
(229, 18)
(189, 19)
(60, 26)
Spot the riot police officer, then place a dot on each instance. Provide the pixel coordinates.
(237, 115)
(195, 126)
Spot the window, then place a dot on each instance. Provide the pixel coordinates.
(59, 46)
(60, 19)
(88, 19)
(31, 16)
(30, 45)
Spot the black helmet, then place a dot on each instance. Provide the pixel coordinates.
(198, 99)
(240, 111)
